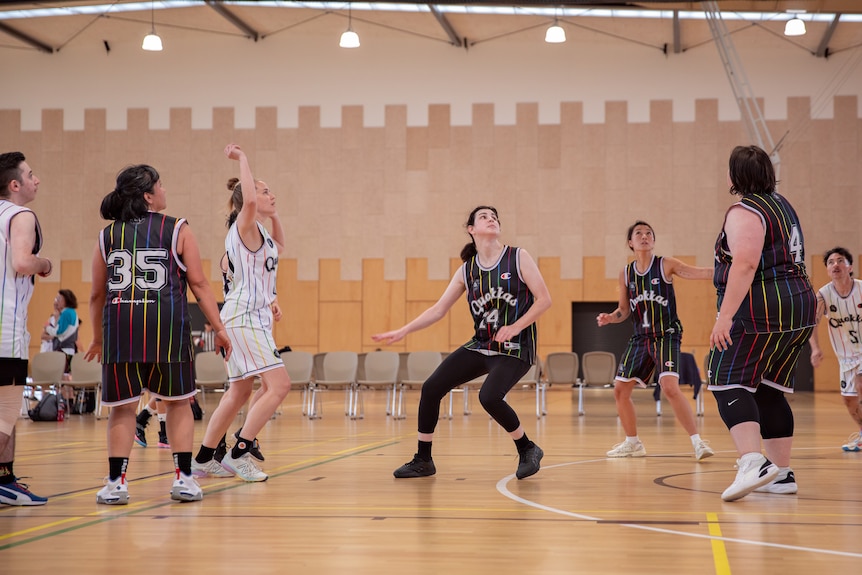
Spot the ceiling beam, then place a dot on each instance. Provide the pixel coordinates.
(27, 39)
(454, 39)
(234, 19)
(823, 48)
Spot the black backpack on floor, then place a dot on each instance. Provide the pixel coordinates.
(46, 409)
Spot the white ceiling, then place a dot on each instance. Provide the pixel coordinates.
(33, 26)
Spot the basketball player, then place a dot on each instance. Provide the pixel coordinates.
(21, 235)
(766, 313)
(506, 294)
(143, 264)
(250, 265)
(647, 296)
(840, 301)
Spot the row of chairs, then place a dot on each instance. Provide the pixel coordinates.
(313, 374)
(397, 373)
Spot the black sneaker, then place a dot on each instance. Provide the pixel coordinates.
(254, 450)
(141, 421)
(220, 451)
(416, 468)
(141, 435)
(163, 441)
(528, 463)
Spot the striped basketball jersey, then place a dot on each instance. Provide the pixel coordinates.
(652, 300)
(843, 315)
(15, 289)
(146, 317)
(498, 296)
(781, 297)
(250, 281)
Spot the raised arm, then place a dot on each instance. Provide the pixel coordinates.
(431, 315)
(277, 232)
(623, 310)
(246, 221)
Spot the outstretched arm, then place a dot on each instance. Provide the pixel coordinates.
(431, 315)
(679, 268)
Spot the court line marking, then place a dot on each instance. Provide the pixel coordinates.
(143, 507)
(504, 490)
(719, 551)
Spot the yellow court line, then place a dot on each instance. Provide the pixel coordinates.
(719, 552)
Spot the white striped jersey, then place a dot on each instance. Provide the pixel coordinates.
(844, 317)
(15, 289)
(251, 286)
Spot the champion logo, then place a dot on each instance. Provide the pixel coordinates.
(505, 276)
(655, 281)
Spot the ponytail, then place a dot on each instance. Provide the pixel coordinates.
(468, 252)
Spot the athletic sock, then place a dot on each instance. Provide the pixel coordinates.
(424, 450)
(183, 462)
(205, 454)
(523, 444)
(117, 467)
(6, 474)
(241, 447)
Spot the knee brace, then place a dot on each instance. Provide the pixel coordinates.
(776, 417)
(736, 406)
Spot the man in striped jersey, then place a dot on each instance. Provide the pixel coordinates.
(20, 240)
(840, 301)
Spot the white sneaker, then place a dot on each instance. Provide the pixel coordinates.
(626, 449)
(854, 443)
(211, 468)
(784, 484)
(243, 467)
(114, 492)
(702, 450)
(754, 471)
(185, 488)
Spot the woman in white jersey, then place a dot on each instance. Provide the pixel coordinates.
(251, 262)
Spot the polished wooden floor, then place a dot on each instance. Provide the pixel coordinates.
(331, 504)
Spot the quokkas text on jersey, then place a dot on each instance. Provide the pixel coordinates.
(478, 305)
(648, 296)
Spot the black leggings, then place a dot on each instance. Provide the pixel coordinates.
(461, 366)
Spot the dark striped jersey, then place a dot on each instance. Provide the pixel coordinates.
(146, 317)
(498, 296)
(781, 297)
(652, 300)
